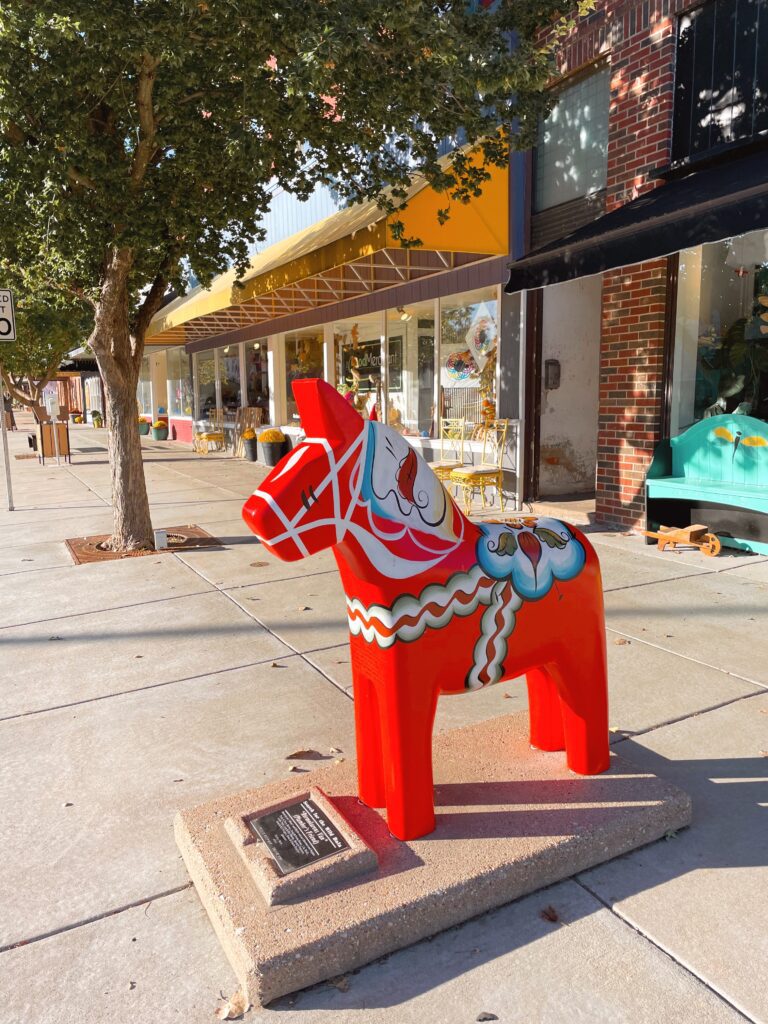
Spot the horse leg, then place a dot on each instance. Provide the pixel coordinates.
(581, 679)
(407, 705)
(370, 775)
(544, 710)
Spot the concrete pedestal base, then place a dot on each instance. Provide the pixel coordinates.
(510, 820)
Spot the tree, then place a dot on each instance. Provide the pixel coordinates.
(46, 329)
(141, 137)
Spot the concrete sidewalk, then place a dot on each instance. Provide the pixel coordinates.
(132, 688)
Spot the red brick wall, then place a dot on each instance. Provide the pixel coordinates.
(631, 375)
(638, 37)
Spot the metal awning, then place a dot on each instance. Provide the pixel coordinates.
(350, 254)
(705, 206)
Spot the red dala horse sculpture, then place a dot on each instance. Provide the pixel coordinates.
(435, 603)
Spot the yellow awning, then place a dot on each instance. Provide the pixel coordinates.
(308, 267)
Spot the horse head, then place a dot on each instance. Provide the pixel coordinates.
(353, 479)
(299, 508)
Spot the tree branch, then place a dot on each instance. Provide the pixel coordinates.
(72, 289)
(152, 302)
(82, 180)
(15, 391)
(147, 123)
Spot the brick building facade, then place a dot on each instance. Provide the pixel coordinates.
(637, 40)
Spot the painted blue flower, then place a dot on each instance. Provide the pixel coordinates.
(532, 553)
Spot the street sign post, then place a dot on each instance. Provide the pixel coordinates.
(7, 334)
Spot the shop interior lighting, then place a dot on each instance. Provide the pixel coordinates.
(405, 316)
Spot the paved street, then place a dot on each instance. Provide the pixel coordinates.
(136, 687)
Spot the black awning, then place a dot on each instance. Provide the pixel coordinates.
(705, 206)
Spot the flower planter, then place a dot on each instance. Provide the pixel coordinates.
(272, 451)
(144, 428)
(250, 449)
(160, 433)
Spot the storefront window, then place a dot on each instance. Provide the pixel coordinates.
(358, 361)
(411, 340)
(572, 152)
(229, 372)
(721, 331)
(303, 358)
(206, 382)
(257, 374)
(144, 390)
(469, 337)
(179, 383)
(94, 400)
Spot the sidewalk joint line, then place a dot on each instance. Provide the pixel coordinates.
(114, 608)
(142, 689)
(686, 657)
(264, 583)
(145, 900)
(721, 996)
(653, 583)
(684, 718)
(41, 568)
(286, 643)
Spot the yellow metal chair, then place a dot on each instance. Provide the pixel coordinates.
(202, 441)
(489, 473)
(452, 431)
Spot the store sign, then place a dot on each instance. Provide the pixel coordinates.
(361, 365)
(7, 316)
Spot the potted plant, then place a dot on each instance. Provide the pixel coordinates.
(75, 416)
(143, 426)
(272, 441)
(249, 445)
(97, 419)
(160, 430)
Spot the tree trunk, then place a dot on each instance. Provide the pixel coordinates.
(119, 357)
(132, 525)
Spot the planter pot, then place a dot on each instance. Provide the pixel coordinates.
(250, 449)
(272, 451)
(160, 433)
(144, 429)
(98, 423)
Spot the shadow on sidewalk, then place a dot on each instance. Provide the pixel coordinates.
(730, 798)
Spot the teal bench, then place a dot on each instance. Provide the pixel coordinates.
(715, 473)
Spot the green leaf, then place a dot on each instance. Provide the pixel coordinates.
(550, 538)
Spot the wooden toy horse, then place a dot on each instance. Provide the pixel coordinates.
(436, 604)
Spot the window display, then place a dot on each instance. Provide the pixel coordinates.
(721, 331)
(469, 336)
(206, 383)
(257, 374)
(179, 383)
(303, 358)
(144, 390)
(229, 373)
(411, 340)
(358, 362)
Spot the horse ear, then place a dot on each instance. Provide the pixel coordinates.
(323, 412)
